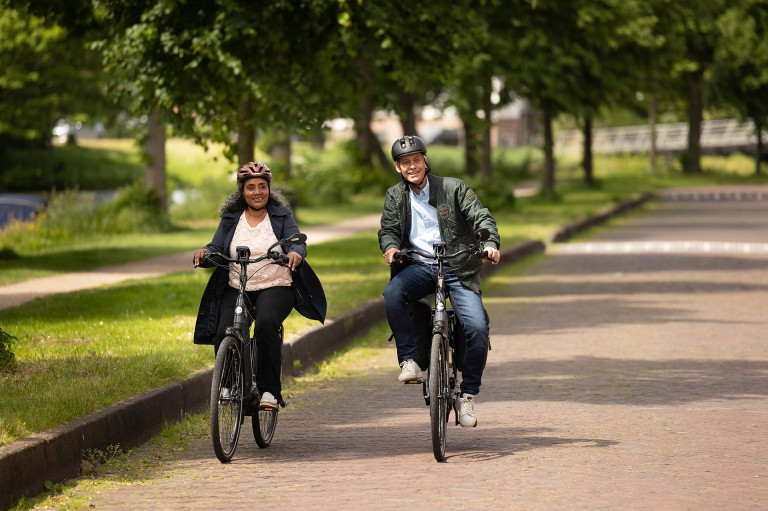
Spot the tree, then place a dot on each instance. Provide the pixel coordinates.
(738, 78)
(396, 59)
(609, 35)
(45, 74)
(692, 40)
(211, 69)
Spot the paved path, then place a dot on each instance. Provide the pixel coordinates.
(632, 380)
(14, 295)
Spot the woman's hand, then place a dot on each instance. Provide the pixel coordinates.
(294, 260)
(198, 257)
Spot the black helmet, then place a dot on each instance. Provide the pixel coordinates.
(407, 145)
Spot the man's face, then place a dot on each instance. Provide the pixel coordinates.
(412, 167)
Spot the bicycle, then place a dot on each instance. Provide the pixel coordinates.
(229, 388)
(441, 387)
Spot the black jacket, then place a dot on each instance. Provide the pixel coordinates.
(310, 298)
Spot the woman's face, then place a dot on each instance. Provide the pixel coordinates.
(256, 192)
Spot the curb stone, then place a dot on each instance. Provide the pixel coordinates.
(55, 455)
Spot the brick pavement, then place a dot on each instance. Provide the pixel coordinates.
(634, 380)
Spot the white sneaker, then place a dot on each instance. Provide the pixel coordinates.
(409, 370)
(267, 399)
(467, 417)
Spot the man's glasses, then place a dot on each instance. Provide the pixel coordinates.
(407, 162)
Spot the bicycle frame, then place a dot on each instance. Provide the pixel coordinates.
(230, 385)
(441, 388)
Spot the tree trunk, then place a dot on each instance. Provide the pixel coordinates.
(759, 150)
(365, 139)
(154, 148)
(653, 108)
(587, 162)
(470, 149)
(318, 140)
(487, 161)
(384, 159)
(281, 155)
(407, 101)
(695, 114)
(246, 132)
(548, 180)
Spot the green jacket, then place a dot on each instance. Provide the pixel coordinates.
(459, 214)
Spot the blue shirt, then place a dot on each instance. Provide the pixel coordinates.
(425, 230)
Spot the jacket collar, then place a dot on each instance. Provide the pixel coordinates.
(271, 209)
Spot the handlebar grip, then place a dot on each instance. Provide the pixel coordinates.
(397, 256)
(278, 257)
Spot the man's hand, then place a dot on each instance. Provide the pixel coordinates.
(389, 255)
(492, 254)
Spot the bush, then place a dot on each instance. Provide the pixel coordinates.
(7, 357)
(73, 214)
(332, 176)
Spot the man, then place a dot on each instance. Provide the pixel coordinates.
(418, 211)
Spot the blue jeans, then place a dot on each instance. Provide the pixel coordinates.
(417, 281)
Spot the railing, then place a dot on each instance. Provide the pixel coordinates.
(723, 135)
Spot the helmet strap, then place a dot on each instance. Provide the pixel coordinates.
(415, 188)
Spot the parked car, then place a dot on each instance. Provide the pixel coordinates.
(19, 206)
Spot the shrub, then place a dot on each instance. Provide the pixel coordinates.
(332, 176)
(7, 357)
(72, 214)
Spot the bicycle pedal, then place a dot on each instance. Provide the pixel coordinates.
(267, 408)
(414, 381)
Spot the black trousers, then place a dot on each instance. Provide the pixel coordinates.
(269, 307)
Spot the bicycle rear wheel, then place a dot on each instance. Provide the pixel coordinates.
(438, 395)
(264, 425)
(226, 399)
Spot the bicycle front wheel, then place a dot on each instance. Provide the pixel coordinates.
(438, 395)
(264, 425)
(227, 399)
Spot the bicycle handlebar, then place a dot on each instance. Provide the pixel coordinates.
(474, 250)
(278, 257)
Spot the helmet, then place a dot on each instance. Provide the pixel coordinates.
(254, 169)
(407, 145)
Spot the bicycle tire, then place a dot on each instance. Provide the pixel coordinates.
(264, 424)
(438, 395)
(227, 407)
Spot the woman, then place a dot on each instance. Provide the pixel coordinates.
(257, 217)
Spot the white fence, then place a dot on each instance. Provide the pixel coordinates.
(724, 135)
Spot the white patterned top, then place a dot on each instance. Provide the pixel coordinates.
(258, 239)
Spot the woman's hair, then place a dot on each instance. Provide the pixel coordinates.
(235, 203)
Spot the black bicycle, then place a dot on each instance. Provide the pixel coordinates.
(441, 387)
(233, 387)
